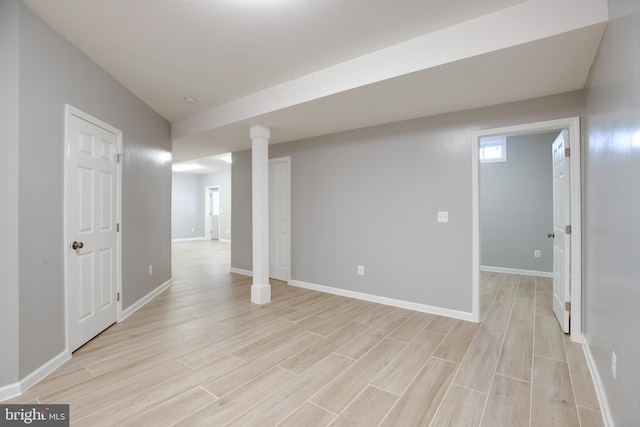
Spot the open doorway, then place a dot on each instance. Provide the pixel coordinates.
(516, 204)
(569, 128)
(201, 199)
(212, 213)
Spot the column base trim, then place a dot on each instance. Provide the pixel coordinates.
(260, 294)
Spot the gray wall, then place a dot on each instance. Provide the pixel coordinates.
(9, 52)
(611, 239)
(370, 197)
(187, 212)
(220, 179)
(516, 205)
(51, 73)
(241, 245)
(189, 202)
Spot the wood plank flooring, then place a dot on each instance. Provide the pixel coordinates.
(201, 354)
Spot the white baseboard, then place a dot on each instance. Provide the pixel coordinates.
(241, 271)
(9, 391)
(145, 299)
(35, 377)
(224, 240)
(597, 381)
(516, 271)
(187, 239)
(386, 301)
(39, 374)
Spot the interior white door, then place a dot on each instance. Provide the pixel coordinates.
(279, 218)
(561, 240)
(92, 197)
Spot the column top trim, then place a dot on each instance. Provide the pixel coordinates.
(259, 131)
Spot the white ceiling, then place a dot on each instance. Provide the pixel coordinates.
(311, 67)
(205, 165)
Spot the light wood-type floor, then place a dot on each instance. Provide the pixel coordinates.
(201, 354)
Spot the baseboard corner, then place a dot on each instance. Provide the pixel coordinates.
(16, 389)
(144, 300)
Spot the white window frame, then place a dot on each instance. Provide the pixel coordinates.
(493, 141)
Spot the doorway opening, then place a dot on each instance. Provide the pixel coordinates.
(570, 128)
(212, 213)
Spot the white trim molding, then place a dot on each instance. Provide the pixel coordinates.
(516, 271)
(385, 300)
(9, 391)
(42, 372)
(224, 240)
(187, 239)
(35, 377)
(602, 397)
(145, 299)
(372, 298)
(248, 273)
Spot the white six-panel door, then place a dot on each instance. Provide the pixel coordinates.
(279, 218)
(561, 241)
(92, 210)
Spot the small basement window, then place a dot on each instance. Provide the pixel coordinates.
(493, 149)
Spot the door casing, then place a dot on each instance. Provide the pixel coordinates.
(572, 124)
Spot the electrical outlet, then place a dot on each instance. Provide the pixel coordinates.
(150, 270)
(613, 364)
(536, 254)
(361, 270)
(443, 216)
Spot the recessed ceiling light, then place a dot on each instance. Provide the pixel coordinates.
(190, 100)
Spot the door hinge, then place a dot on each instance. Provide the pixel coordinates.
(119, 156)
(117, 227)
(567, 229)
(567, 306)
(567, 152)
(118, 296)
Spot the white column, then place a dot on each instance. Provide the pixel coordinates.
(260, 290)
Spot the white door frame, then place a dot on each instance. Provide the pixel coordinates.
(207, 217)
(572, 124)
(68, 112)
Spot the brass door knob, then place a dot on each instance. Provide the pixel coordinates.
(77, 245)
(551, 235)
